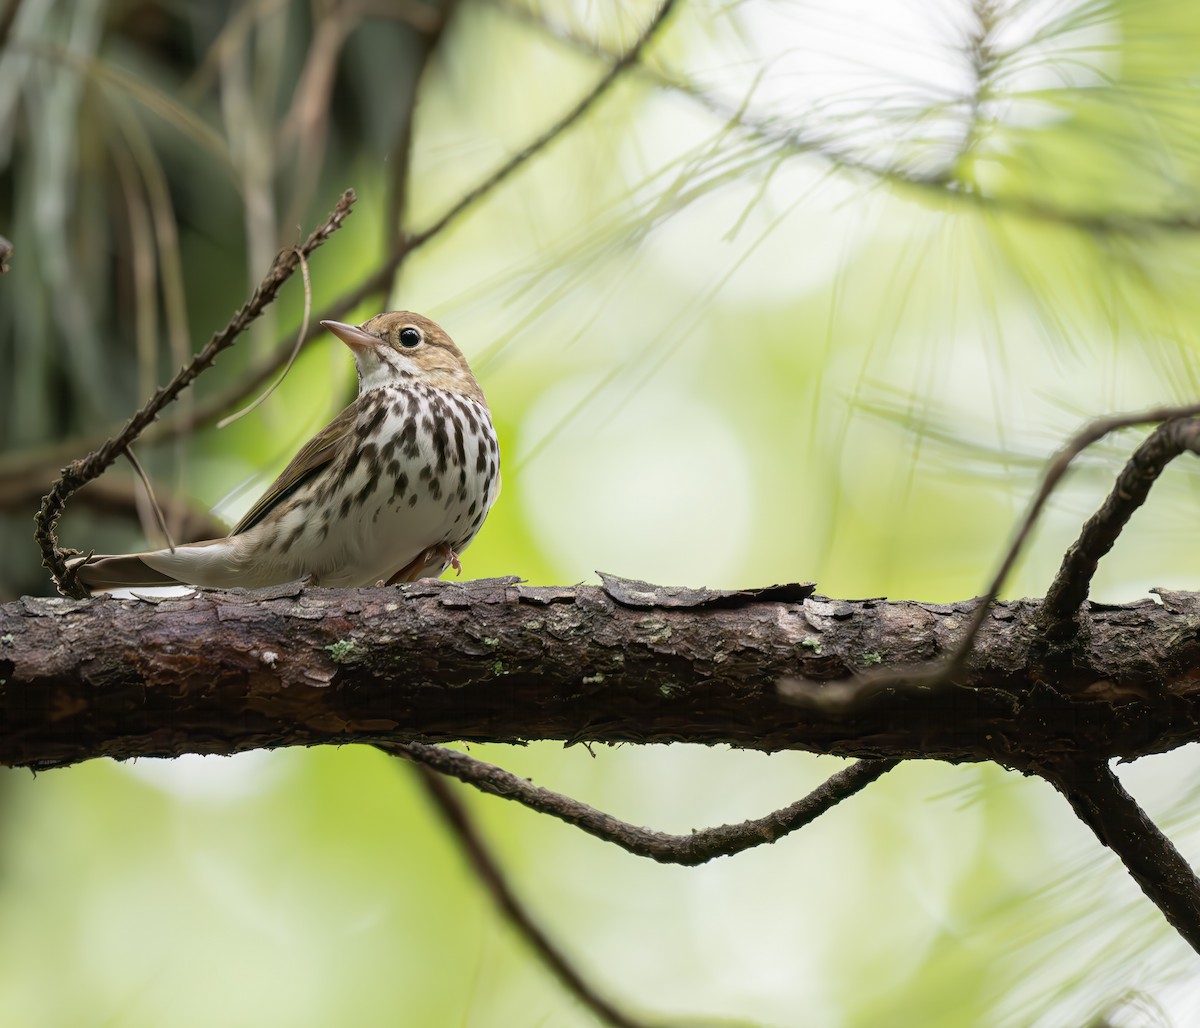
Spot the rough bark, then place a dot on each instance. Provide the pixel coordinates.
(494, 660)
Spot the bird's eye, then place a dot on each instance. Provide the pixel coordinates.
(409, 336)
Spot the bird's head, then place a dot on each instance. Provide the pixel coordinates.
(400, 348)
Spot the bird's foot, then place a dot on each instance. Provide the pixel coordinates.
(442, 554)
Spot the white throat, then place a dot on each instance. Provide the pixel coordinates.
(381, 367)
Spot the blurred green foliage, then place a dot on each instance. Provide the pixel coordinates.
(810, 295)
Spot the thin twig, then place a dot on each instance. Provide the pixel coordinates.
(1099, 800)
(80, 471)
(1059, 610)
(1086, 436)
(852, 693)
(479, 855)
(694, 848)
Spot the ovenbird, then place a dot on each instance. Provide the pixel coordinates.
(393, 489)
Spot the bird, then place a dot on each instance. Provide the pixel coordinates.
(392, 490)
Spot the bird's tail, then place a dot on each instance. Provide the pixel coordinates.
(118, 572)
(204, 563)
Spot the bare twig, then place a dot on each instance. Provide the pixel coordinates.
(847, 695)
(1084, 438)
(80, 471)
(692, 849)
(479, 855)
(1099, 800)
(1069, 589)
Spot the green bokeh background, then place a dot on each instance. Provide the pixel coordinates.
(834, 342)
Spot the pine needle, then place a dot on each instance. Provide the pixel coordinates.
(158, 514)
(300, 336)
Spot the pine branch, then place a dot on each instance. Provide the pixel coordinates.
(496, 661)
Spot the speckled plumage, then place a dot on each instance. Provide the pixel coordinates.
(393, 489)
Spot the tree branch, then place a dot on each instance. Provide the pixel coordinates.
(934, 674)
(492, 660)
(1070, 586)
(1098, 798)
(697, 847)
(1085, 437)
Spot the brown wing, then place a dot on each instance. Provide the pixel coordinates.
(317, 453)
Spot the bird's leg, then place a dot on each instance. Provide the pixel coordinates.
(412, 570)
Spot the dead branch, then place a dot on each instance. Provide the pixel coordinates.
(1100, 802)
(1085, 437)
(691, 850)
(1070, 586)
(493, 660)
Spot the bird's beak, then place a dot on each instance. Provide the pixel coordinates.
(353, 336)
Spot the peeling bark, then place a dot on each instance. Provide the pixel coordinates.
(496, 661)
